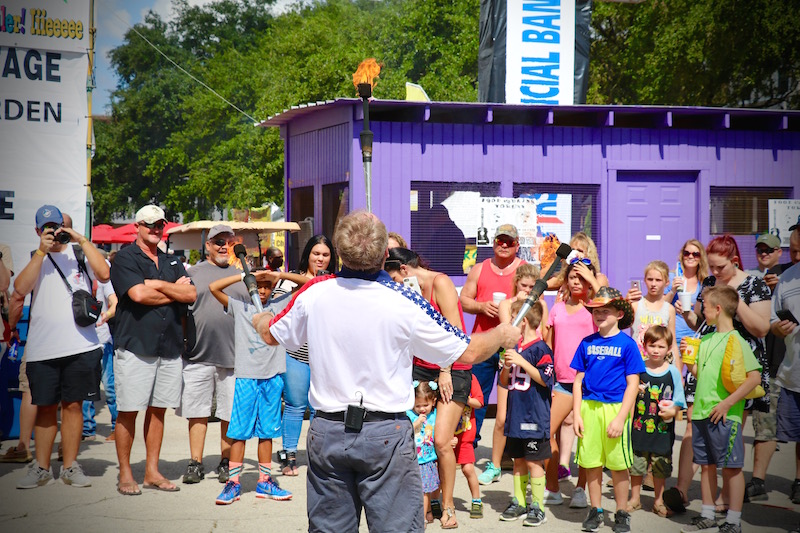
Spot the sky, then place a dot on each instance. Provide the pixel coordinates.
(113, 19)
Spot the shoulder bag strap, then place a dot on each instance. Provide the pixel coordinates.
(63, 277)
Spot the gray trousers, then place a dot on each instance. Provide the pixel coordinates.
(375, 469)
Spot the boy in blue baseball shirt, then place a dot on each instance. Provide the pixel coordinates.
(257, 391)
(528, 371)
(606, 385)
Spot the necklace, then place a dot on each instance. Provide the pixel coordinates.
(502, 271)
(723, 337)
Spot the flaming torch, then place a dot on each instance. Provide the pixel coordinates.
(364, 79)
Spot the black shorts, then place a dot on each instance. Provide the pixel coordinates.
(67, 379)
(462, 381)
(528, 449)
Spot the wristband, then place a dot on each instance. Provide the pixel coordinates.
(82, 241)
(40, 253)
(445, 370)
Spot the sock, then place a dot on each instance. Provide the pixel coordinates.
(264, 471)
(520, 489)
(537, 491)
(708, 512)
(734, 517)
(476, 500)
(234, 470)
(599, 509)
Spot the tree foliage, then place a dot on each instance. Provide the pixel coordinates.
(172, 141)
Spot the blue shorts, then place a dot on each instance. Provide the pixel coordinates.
(256, 408)
(789, 416)
(718, 444)
(563, 388)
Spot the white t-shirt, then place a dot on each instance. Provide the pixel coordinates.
(104, 290)
(52, 332)
(787, 296)
(362, 336)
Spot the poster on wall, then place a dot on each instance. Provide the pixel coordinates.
(43, 116)
(540, 52)
(783, 214)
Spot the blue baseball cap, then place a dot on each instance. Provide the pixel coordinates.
(48, 214)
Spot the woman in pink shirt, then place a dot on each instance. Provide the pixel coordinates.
(569, 322)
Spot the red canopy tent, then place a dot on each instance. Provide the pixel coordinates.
(104, 233)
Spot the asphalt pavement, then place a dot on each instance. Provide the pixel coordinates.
(66, 509)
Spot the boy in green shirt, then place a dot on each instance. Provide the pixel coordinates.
(717, 416)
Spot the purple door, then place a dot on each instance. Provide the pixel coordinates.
(650, 215)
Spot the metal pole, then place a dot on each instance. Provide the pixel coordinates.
(366, 136)
(89, 88)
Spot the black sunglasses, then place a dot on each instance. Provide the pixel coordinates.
(764, 250)
(220, 242)
(696, 255)
(154, 225)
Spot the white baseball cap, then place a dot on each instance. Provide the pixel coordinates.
(150, 214)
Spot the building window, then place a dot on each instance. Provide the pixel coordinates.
(335, 205)
(585, 205)
(302, 212)
(742, 210)
(434, 234)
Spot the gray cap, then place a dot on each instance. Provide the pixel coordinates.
(219, 229)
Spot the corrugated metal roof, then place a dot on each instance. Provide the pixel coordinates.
(576, 115)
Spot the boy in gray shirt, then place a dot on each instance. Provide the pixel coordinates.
(257, 394)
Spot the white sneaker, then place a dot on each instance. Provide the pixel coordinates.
(74, 476)
(578, 500)
(36, 477)
(553, 498)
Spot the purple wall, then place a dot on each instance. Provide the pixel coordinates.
(576, 145)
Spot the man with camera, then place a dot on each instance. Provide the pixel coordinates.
(152, 291)
(63, 353)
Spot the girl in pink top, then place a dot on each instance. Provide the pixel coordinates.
(569, 322)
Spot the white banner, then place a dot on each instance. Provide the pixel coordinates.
(45, 24)
(783, 214)
(540, 52)
(43, 117)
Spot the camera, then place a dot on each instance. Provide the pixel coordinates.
(63, 237)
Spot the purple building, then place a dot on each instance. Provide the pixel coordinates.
(641, 180)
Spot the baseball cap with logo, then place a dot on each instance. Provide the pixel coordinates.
(219, 229)
(769, 239)
(48, 214)
(507, 229)
(150, 214)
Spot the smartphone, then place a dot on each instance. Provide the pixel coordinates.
(785, 314)
(636, 285)
(412, 283)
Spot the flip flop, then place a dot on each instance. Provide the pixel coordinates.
(161, 485)
(662, 511)
(634, 506)
(450, 522)
(673, 499)
(121, 488)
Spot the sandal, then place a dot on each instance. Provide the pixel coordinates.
(674, 500)
(721, 508)
(661, 510)
(634, 506)
(450, 522)
(290, 469)
(436, 509)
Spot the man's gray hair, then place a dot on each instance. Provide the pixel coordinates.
(361, 240)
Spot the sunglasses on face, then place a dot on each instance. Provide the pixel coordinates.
(220, 242)
(696, 255)
(583, 260)
(764, 250)
(154, 225)
(508, 241)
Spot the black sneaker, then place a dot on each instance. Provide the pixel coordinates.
(194, 473)
(622, 522)
(513, 511)
(594, 520)
(223, 470)
(795, 494)
(755, 491)
(535, 516)
(730, 528)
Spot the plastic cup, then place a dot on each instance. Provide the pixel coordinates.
(498, 297)
(666, 404)
(689, 355)
(686, 300)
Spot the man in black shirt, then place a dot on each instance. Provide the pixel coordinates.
(153, 290)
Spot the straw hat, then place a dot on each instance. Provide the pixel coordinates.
(611, 296)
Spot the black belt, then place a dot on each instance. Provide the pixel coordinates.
(371, 416)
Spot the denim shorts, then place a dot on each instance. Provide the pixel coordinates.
(563, 388)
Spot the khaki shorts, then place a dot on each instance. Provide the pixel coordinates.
(143, 381)
(662, 464)
(24, 385)
(200, 382)
(765, 425)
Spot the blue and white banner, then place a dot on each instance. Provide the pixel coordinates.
(540, 52)
(43, 116)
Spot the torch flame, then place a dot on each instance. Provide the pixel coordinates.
(367, 72)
